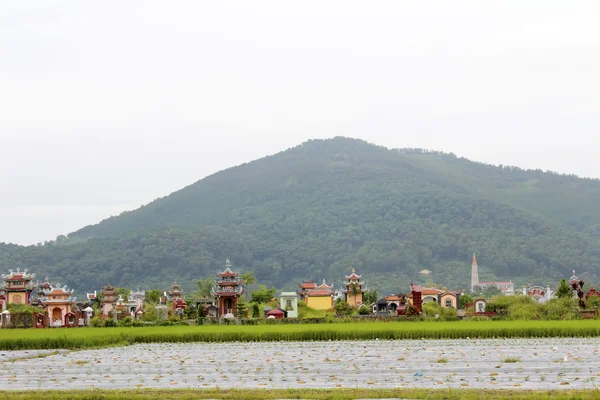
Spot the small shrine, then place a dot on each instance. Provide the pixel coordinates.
(289, 302)
(109, 300)
(17, 286)
(92, 297)
(480, 306)
(353, 294)
(538, 293)
(320, 298)
(134, 306)
(178, 306)
(388, 304)
(227, 289)
(58, 303)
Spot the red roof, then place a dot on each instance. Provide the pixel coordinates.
(275, 312)
(431, 291)
(308, 285)
(319, 292)
(228, 272)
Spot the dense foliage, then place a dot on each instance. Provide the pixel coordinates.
(317, 210)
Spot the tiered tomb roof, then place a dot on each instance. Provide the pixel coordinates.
(353, 276)
(17, 280)
(320, 291)
(57, 295)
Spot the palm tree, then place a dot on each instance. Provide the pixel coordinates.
(248, 278)
(354, 289)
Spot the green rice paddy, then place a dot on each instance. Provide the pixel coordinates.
(77, 338)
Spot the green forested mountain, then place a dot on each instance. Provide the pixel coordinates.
(326, 206)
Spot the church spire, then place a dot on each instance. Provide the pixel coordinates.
(474, 273)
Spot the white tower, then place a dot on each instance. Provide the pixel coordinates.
(474, 273)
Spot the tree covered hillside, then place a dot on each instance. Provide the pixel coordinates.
(326, 206)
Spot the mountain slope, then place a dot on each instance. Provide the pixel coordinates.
(319, 209)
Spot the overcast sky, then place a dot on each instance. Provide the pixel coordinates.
(105, 106)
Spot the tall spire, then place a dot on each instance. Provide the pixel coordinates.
(474, 273)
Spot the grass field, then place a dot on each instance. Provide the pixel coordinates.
(148, 394)
(73, 338)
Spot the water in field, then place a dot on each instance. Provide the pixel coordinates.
(491, 363)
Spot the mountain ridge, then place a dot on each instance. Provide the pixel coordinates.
(321, 208)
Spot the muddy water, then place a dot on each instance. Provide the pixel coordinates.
(502, 363)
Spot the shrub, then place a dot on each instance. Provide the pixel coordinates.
(464, 300)
(448, 314)
(95, 322)
(109, 323)
(524, 312)
(255, 311)
(561, 308)
(592, 302)
(150, 313)
(342, 308)
(430, 309)
(23, 309)
(263, 295)
(364, 310)
(126, 322)
(515, 307)
(564, 290)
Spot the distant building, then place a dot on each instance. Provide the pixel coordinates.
(135, 303)
(289, 302)
(59, 304)
(507, 288)
(444, 297)
(353, 294)
(390, 304)
(178, 303)
(17, 286)
(109, 300)
(538, 293)
(320, 298)
(227, 290)
(304, 286)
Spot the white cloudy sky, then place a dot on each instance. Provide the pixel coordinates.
(105, 106)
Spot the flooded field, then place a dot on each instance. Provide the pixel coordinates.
(491, 363)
